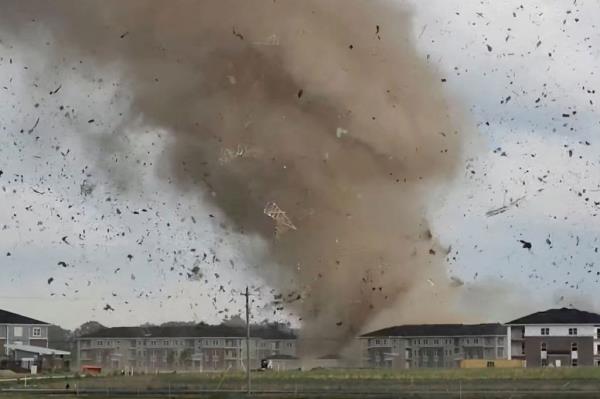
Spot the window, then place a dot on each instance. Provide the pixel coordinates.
(436, 341)
(99, 343)
(544, 362)
(574, 346)
(545, 331)
(543, 347)
(572, 331)
(490, 364)
(476, 340)
(574, 362)
(18, 331)
(36, 332)
(500, 352)
(500, 340)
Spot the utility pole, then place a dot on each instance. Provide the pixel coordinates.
(248, 385)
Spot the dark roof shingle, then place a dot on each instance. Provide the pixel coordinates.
(199, 330)
(559, 316)
(438, 330)
(7, 317)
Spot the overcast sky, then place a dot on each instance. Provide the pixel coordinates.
(525, 75)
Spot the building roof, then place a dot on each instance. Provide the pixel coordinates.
(199, 330)
(559, 316)
(7, 317)
(438, 330)
(40, 350)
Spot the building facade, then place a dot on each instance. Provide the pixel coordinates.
(21, 330)
(202, 347)
(433, 345)
(556, 338)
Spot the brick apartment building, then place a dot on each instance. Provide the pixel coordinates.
(556, 338)
(433, 345)
(200, 347)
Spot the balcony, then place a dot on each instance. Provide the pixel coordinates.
(380, 344)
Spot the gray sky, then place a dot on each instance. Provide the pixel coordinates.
(497, 59)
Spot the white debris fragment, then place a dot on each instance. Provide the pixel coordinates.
(340, 132)
(229, 154)
(430, 281)
(231, 79)
(282, 222)
(271, 40)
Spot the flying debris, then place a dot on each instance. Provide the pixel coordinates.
(456, 282)
(195, 273)
(282, 222)
(525, 244)
(86, 188)
(108, 307)
(504, 208)
(34, 126)
(340, 132)
(55, 90)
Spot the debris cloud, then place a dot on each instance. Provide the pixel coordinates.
(315, 125)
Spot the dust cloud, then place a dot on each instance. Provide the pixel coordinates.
(313, 124)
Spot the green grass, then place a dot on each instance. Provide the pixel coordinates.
(340, 380)
(326, 377)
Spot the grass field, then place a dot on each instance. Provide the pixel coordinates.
(327, 375)
(422, 383)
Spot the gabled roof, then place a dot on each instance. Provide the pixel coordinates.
(559, 316)
(199, 330)
(438, 330)
(7, 317)
(40, 350)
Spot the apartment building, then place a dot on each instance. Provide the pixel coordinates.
(433, 345)
(200, 347)
(16, 329)
(556, 338)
